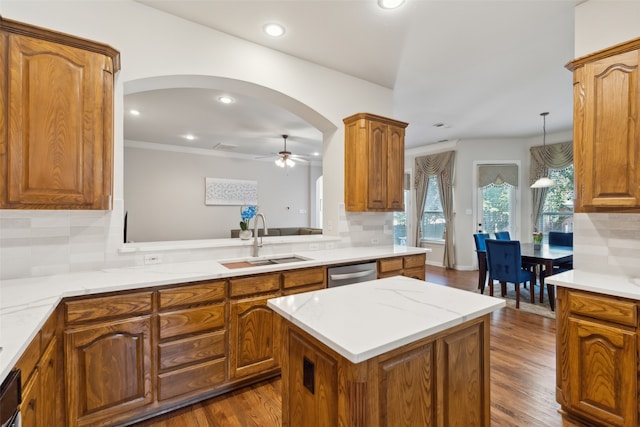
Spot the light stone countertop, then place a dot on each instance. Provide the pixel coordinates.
(620, 286)
(366, 319)
(25, 304)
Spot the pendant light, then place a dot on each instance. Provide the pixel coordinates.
(544, 182)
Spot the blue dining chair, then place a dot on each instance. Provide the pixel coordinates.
(502, 235)
(505, 265)
(559, 238)
(479, 239)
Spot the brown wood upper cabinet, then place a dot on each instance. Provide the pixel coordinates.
(606, 129)
(373, 163)
(57, 109)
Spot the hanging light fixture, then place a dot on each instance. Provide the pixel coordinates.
(285, 156)
(544, 182)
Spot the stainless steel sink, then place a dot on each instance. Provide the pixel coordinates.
(249, 262)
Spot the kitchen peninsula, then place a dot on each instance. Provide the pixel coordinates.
(393, 351)
(121, 345)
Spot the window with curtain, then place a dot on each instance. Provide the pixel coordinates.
(552, 207)
(557, 210)
(433, 222)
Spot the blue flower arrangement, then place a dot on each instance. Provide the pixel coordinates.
(246, 214)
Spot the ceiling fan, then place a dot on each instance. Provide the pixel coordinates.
(286, 158)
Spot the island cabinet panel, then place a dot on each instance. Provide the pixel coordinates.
(409, 375)
(314, 379)
(597, 358)
(464, 396)
(440, 380)
(58, 109)
(607, 129)
(374, 163)
(253, 336)
(108, 371)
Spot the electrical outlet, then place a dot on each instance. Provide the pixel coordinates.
(330, 245)
(374, 241)
(314, 247)
(152, 259)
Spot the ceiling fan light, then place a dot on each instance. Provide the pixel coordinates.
(290, 162)
(390, 4)
(543, 182)
(279, 162)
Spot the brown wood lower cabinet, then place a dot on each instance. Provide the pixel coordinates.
(441, 380)
(122, 357)
(108, 370)
(409, 265)
(253, 336)
(597, 355)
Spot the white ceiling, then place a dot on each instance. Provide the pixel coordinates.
(483, 69)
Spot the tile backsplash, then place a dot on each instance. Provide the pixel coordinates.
(607, 243)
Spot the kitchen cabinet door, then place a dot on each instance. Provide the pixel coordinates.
(58, 110)
(253, 336)
(602, 372)
(607, 130)
(108, 370)
(374, 163)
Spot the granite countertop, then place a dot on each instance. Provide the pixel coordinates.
(25, 304)
(366, 319)
(620, 286)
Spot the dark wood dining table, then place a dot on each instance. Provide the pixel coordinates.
(546, 256)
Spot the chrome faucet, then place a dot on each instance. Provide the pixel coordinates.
(256, 246)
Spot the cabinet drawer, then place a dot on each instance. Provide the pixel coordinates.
(416, 273)
(191, 320)
(386, 265)
(29, 359)
(192, 294)
(85, 310)
(609, 309)
(302, 289)
(308, 276)
(192, 349)
(412, 261)
(254, 284)
(192, 378)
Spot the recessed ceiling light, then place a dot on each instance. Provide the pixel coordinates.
(274, 30)
(190, 137)
(390, 4)
(134, 112)
(225, 99)
(315, 154)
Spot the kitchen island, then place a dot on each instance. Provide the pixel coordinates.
(394, 351)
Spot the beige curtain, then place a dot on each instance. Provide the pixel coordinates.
(442, 166)
(497, 175)
(543, 158)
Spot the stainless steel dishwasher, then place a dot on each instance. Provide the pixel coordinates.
(352, 273)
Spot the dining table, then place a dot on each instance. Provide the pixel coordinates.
(545, 255)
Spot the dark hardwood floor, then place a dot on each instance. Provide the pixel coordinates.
(522, 376)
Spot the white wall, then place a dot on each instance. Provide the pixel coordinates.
(606, 243)
(152, 44)
(164, 195)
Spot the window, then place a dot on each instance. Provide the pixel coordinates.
(433, 223)
(557, 211)
(498, 208)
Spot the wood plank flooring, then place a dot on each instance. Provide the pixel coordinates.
(522, 376)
